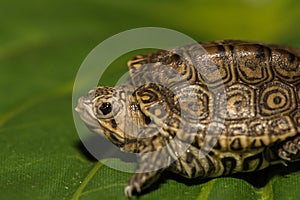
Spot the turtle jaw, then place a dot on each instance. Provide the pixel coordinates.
(85, 111)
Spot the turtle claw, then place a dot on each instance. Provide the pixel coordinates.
(140, 181)
(128, 191)
(284, 155)
(132, 187)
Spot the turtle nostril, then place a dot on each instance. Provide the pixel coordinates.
(105, 108)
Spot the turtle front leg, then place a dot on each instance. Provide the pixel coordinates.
(151, 165)
(290, 150)
(141, 181)
(152, 162)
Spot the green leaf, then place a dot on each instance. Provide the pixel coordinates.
(42, 45)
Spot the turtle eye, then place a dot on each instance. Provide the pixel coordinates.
(105, 108)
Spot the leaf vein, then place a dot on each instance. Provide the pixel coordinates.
(89, 177)
(102, 188)
(205, 191)
(266, 192)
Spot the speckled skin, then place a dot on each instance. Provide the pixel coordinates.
(242, 117)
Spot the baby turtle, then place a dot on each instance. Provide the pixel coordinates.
(202, 110)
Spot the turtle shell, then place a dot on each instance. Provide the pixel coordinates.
(231, 95)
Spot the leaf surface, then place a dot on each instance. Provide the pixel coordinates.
(42, 45)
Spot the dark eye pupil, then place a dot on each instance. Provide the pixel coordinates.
(105, 108)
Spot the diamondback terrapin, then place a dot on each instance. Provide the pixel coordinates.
(202, 110)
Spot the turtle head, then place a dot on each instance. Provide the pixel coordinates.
(99, 110)
(107, 111)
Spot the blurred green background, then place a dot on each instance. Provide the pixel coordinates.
(42, 45)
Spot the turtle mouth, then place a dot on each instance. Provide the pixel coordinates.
(85, 111)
